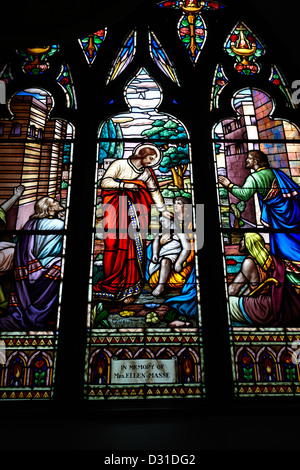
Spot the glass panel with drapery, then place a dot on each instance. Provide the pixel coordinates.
(35, 165)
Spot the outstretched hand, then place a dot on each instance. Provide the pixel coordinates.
(224, 181)
(18, 190)
(178, 266)
(167, 214)
(131, 186)
(154, 259)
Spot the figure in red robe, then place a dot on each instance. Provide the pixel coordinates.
(129, 188)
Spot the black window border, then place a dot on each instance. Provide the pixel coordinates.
(93, 107)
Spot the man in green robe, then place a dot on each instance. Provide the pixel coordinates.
(280, 206)
(261, 181)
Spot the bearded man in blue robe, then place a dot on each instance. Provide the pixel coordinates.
(280, 207)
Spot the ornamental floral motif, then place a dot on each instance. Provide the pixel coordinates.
(220, 81)
(191, 27)
(245, 47)
(278, 80)
(36, 58)
(64, 79)
(90, 44)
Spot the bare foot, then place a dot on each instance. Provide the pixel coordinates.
(178, 324)
(129, 300)
(158, 290)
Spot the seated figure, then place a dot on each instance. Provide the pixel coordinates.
(37, 267)
(261, 293)
(172, 252)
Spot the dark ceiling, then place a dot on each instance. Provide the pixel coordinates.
(44, 23)
(60, 19)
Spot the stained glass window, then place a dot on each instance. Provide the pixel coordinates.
(90, 44)
(219, 82)
(245, 47)
(257, 166)
(5, 75)
(144, 311)
(36, 166)
(65, 80)
(191, 28)
(36, 58)
(166, 106)
(124, 56)
(278, 80)
(161, 58)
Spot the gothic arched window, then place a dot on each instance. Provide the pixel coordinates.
(112, 277)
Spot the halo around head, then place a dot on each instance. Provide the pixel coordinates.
(156, 150)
